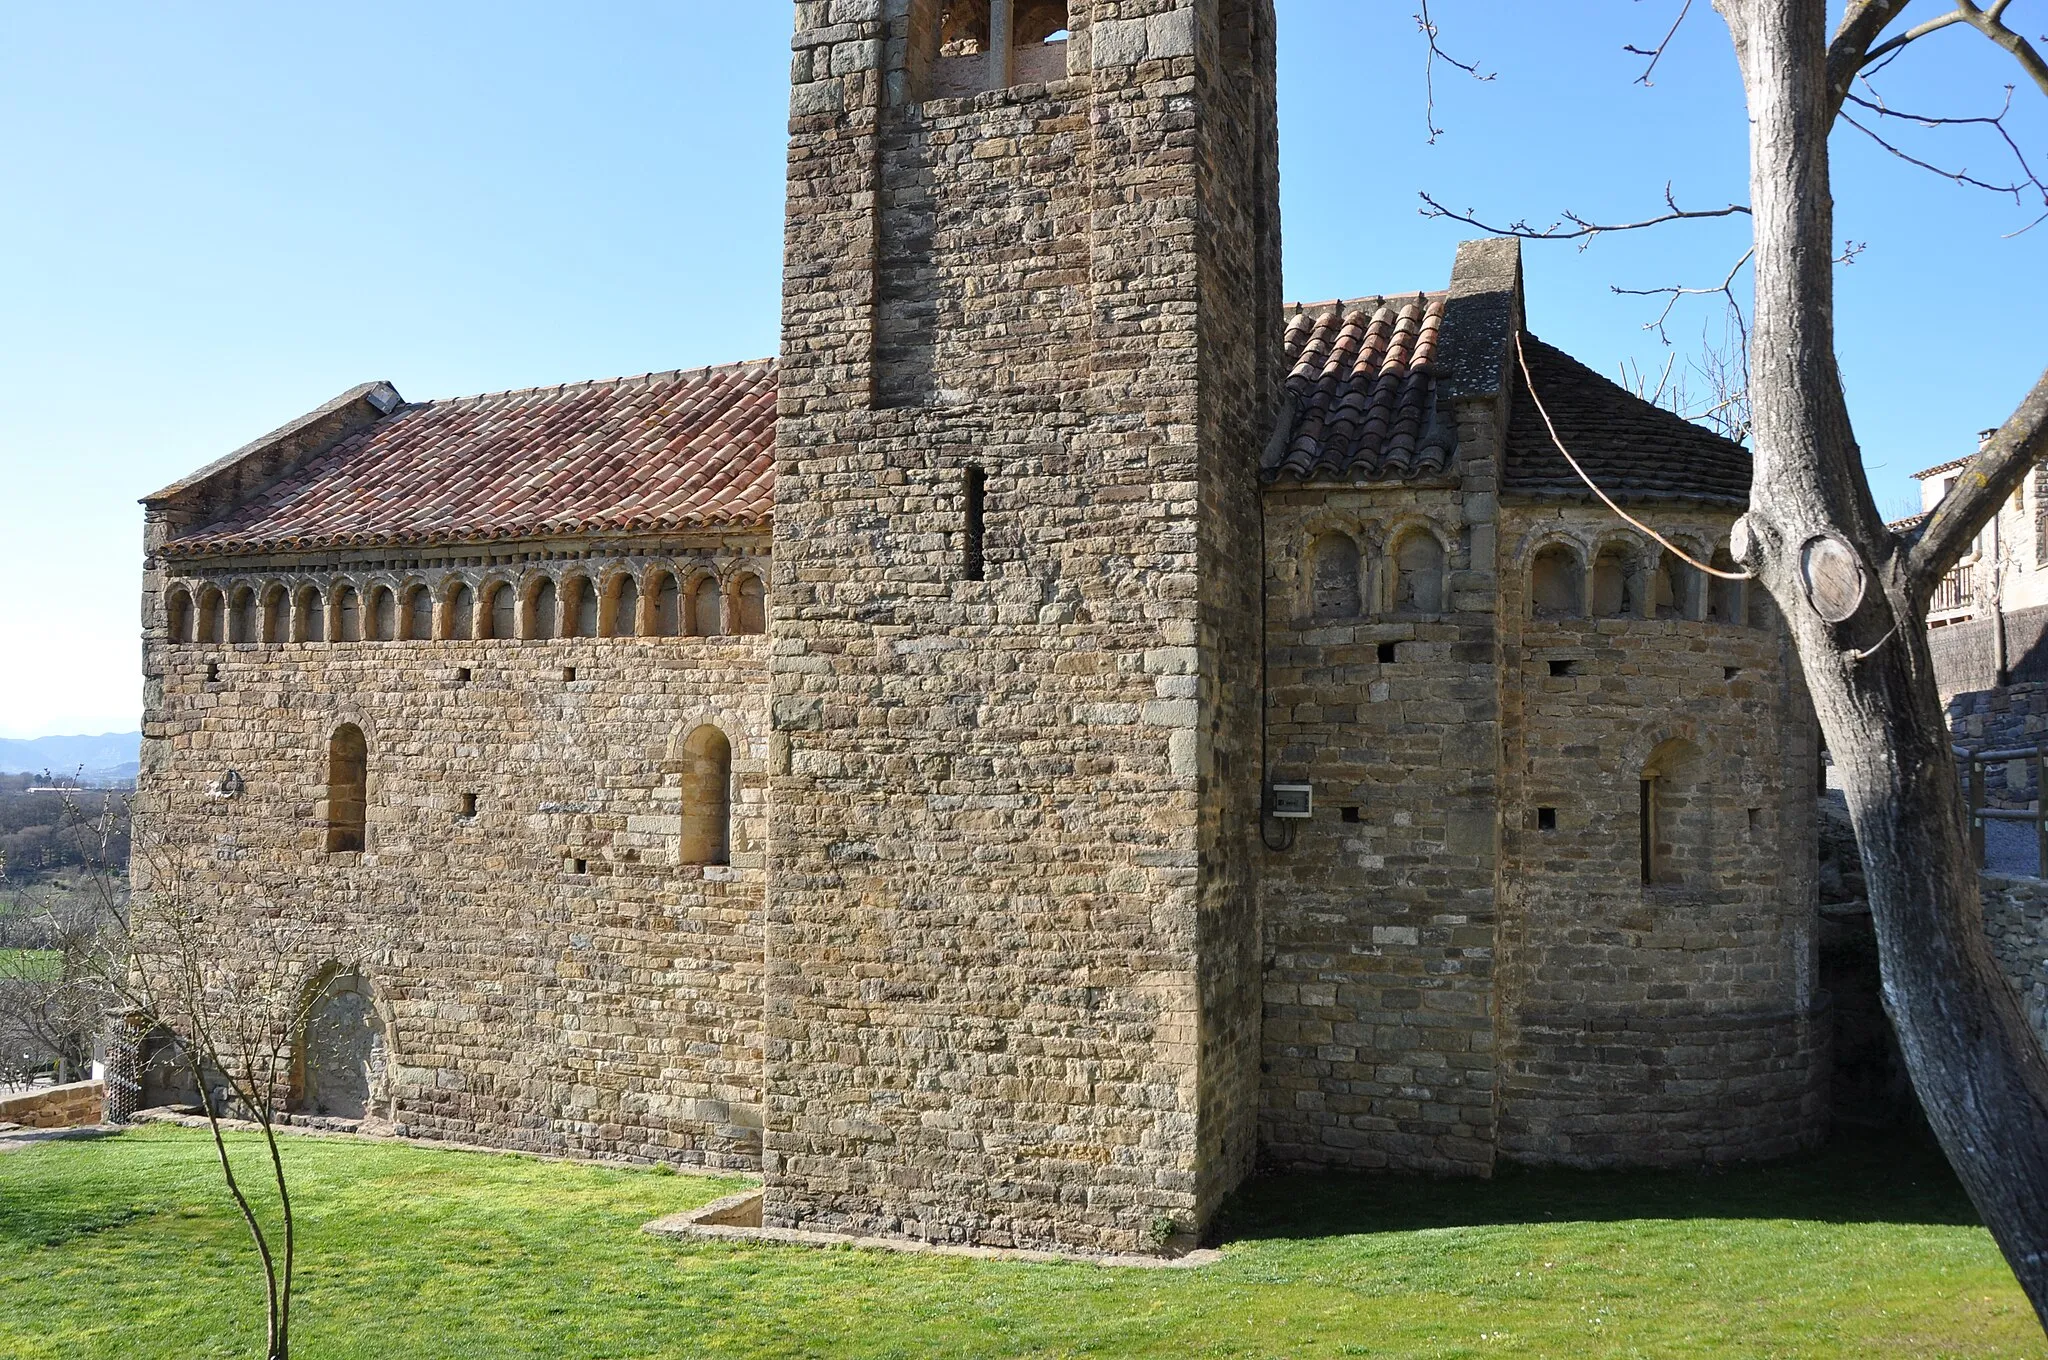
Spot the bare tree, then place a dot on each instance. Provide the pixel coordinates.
(233, 983)
(52, 994)
(1854, 592)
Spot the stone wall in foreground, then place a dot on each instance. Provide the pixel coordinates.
(70, 1106)
(547, 973)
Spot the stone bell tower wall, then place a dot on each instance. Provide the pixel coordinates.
(1011, 973)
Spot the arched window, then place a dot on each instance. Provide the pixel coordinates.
(579, 608)
(959, 52)
(1557, 584)
(277, 624)
(419, 614)
(348, 615)
(540, 610)
(1674, 815)
(245, 620)
(707, 798)
(704, 619)
(310, 621)
(1039, 21)
(348, 788)
(1678, 588)
(749, 605)
(1724, 597)
(500, 611)
(178, 614)
(963, 28)
(1419, 574)
(211, 608)
(1336, 581)
(625, 607)
(383, 615)
(666, 616)
(462, 612)
(1615, 589)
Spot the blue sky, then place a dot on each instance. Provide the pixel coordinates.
(220, 215)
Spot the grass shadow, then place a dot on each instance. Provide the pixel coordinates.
(1857, 1178)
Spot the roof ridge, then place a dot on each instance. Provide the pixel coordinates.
(587, 384)
(1421, 294)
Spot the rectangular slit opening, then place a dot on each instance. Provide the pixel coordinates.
(1351, 815)
(1564, 667)
(568, 674)
(469, 805)
(1389, 653)
(1546, 819)
(1647, 827)
(974, 490)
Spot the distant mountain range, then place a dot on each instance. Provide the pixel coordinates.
(108, 759)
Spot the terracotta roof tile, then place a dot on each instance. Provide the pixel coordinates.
(1634, 449)
(655, 453)
(1361, 393)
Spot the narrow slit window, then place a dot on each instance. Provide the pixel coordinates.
(974, 491)
(348, 769)
(1647, 827)
(707, 798)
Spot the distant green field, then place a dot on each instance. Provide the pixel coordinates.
(31, 964)
(128, 1246)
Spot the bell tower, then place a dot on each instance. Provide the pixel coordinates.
(1031, 333)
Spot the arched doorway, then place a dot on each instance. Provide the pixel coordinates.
(341, 1052)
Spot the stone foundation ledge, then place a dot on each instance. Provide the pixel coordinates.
(378, 1131)
(737, 1218)
(78, 1104)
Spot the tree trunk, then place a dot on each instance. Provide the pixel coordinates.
(1977, 1067)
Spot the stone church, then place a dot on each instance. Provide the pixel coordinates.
(1068, 731)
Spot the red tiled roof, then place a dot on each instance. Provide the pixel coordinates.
(1361, 396)
(657, 453)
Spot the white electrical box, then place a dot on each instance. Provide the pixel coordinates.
(1293, 802)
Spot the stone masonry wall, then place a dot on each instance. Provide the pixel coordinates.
(2016, 919)
(555, 980)
(71, 1106)
(1674, 1020)
(1001, 807)
(1379, 916)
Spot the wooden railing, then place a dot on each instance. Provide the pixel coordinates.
(1953, 592)
(1974, 785)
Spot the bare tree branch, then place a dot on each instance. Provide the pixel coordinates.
(2019, 188)
(1656, 54)
(1572, 227)
(1982, 486)
(1436, 53)
(1856, 48)
(1862, 25)
(1673, 296)
(1991, 23)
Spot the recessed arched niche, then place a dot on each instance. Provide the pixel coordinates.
(1557, 583)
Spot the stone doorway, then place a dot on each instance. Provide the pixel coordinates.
(341, 1051)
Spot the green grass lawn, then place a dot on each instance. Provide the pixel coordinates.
(127, 1246)
(31, 965)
